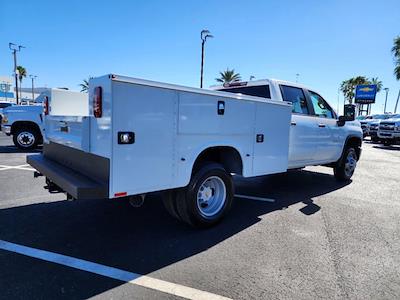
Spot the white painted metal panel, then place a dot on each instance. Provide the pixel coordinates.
(147, 164)
(271, 155)
(68, 130)
(68, 103)
(198, 114)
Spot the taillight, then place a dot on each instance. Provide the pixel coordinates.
(46, 105)
(97, 102)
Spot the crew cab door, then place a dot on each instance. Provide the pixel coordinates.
(303, 132)
(328, 143)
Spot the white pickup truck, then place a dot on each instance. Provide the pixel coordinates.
(142, 136)
(25, 122)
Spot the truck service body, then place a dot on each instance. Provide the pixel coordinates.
(141, 136)
(25, 122)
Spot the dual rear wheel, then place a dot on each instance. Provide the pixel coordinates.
(207, 198)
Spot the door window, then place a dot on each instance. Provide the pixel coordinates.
(321, 107)
(296, 96)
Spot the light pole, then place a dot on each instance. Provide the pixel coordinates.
(297, 77)
(14, 48)
(33, 78)
(387, 91)
(203, 35)
(252, 77)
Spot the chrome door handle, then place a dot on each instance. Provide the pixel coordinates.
(321, 125)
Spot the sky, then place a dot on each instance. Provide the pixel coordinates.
(325, 42)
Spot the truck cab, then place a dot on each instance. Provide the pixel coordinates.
(316, 137)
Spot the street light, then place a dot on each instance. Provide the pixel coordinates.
(203, 35)
(15, 48)
(33, 78)
(387, 91)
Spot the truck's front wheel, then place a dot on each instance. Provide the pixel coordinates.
(25, 138)
(346, 166)
(207, 198)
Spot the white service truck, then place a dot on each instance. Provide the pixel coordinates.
(25, 122)
(142, 136)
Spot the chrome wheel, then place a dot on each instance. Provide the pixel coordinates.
(351, 163)
(25, 139)
(211, 196)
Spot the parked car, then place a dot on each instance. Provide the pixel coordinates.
(389, 130)
(373, 131)
(3, 105)
(143, 136)
(365, 122)
(25, 122)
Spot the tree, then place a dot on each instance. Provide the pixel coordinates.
(228, 76)
(348, 86)
(21, 75)
(85, 85)
(377, 82)
(396, 54)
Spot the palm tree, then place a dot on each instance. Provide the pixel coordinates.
(396, 54)
(85, 85)
(21, 74)
(228, 76)
(377, 82)
(348, 86)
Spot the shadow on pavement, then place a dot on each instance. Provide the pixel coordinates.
(13, 149)
(393, 148)
(141, 240)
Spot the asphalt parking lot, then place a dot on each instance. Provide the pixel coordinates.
(318, 239)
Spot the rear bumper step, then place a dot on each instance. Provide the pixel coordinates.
(77, 185)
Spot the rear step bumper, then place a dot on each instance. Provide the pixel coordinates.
(77, 185)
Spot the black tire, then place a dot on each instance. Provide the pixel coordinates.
(187, 203)
(26, 138)
(375, 139)
(169, 200)
(387, 143)
(343, 172)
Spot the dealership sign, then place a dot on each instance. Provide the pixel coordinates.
(365, 93)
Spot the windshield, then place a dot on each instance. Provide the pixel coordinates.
(361, 118)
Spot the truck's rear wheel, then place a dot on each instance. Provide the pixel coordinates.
(345, 167)
(26, 138)
(207, 198)
(170, 203)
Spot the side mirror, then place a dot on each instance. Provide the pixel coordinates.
(349, 112)
(341, 121)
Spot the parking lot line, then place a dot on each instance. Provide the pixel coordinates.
(20, 167)
(110, 272)
(255, 198)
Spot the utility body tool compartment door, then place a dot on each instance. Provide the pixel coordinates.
(271, 139)
(150, 114)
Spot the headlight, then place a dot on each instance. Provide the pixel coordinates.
(4, 120)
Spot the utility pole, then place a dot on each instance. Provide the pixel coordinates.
(33, 78)
(338, 99)
(387, 91)
(397, 102)
(203, 35)
(15, 48)
(297, 77)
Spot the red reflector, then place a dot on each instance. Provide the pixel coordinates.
(97, 102)
(46, 105)
(122, 194)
